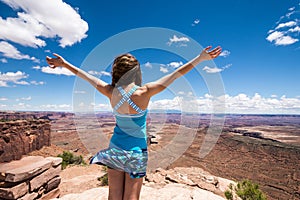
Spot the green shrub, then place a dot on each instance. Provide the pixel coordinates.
(70, 158)
(249, 191)
(228, 195)
(103, 180)
(246, 190)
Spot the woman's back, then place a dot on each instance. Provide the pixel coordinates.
(130, 130)
(138, 97)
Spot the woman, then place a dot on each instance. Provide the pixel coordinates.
(126, 156)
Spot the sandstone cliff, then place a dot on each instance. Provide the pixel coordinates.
(20, 137)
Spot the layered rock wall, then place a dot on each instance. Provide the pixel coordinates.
(20, 137)
(32, 177)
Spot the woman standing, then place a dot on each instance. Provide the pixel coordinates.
(126, 157)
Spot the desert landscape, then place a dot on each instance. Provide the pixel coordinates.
(262, 148)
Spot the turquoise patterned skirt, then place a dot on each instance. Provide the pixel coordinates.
(134, 162)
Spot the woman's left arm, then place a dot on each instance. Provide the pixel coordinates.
(162, 83)
(100, 85)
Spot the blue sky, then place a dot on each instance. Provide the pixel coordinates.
(259, 66)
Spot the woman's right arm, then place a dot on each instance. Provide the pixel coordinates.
(100, 85)
(162, 83)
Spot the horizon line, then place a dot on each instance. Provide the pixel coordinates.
(154, 111)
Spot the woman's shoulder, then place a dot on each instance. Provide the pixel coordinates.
(141, 90)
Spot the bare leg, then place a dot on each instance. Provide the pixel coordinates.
(132, 188)
(116, 184)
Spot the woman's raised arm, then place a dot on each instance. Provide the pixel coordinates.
(100, 85)
(162, 83)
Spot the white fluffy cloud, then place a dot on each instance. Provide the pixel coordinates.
(258, 104)
(295, 29)
(57, 71)
(42, 19)
(102, 106)
(180, 41)
(166, 104)
(101, 73)
(49, 70)
(13, 77)
(225, 53)
(280, 38)
(10, 51)
(286, 24)
(196, 22)
(212, 70)
(36, 67)
(24, 99)
(16, 78)
(37, 83)
(21, 106)
(292, 8)
(3, 60)
(286, 31)
(148, 65)
(175, 64)
(3, 106)
(274, 36)
(55, 107)
(239, 104)
(163, 69)
(285, 40)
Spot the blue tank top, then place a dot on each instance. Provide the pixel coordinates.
(130, 130)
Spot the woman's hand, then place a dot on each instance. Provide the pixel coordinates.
(209, 55)
(59, 61)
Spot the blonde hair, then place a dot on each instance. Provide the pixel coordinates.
(126, 70)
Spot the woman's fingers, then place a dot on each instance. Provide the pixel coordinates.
(207, 48)
(208, 54)
(215, 52)
(48, 58)
(53, 62)
(217, 49)
(55, 54)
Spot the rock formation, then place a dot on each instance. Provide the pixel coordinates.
(169, 192)
(20, 137)
(32, 177)
(193, 176)
(179, 183)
